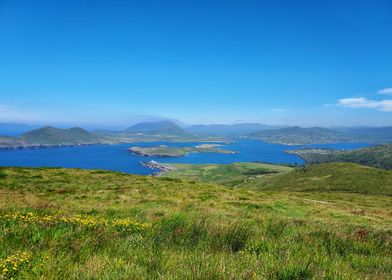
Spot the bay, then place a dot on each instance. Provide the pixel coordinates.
(117, 158)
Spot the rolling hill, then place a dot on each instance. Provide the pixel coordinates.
(228, 129)
(56, 136)
(334, 177)
(157, 127)
(299, 136)
(318, 135)
(51, 136)
(328, 177)
(94, 224)
(378, 156)
(379, 135)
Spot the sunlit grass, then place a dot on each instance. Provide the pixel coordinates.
(70, 223)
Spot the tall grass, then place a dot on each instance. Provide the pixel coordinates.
(98, 225)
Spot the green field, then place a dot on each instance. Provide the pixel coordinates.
(78, 224)
(166, 151)
(232, 175)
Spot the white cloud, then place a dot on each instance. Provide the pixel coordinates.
(361, 102)
(385, 91)
(278, 110)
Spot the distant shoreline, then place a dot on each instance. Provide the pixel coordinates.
(44, 146)
(161, 167)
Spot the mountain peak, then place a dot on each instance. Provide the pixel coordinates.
(164, 126)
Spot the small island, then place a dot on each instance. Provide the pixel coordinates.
(166, 151)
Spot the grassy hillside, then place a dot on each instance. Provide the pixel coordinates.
(378, 156)
(233, 175)
(299, 136)
(78, 224)
(331, 177)
(336, 177)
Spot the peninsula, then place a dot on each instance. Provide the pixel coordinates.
(166, 151)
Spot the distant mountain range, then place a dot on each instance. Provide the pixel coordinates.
(299, 136)
(379, 156)
(157, 127)
(229, 129)
(51, 136)
(368, 134)
(318, 135)
(170, 131)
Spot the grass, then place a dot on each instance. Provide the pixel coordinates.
(79, 224)
(166, 151)
(235, 174)
(342, 177)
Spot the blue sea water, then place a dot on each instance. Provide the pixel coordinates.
(117, 158)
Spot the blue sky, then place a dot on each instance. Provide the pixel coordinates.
(275, 62)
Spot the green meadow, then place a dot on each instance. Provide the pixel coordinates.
(259, 222)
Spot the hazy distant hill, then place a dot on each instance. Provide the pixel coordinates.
(378, 156)
(55, 136)
(369, 134)
(157, 127)
(51, 136)
(227, 129)
(298, 136)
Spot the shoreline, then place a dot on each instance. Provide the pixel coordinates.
(45, 146)
(159, 168)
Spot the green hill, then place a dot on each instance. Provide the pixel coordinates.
(334, 177)
(330, 177)
(91, 224)
(299, 136)
(55, 136)
(378, 156)
(157, 127)
(231, 175)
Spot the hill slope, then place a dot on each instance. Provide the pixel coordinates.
(55, 136)
(378, 156)
(158, 127)
(227, 129)
(369, 134)
(298, 136)
(334, 177)
(231, 175)
(80, 224)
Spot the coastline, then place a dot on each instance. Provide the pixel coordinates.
(159, 167)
